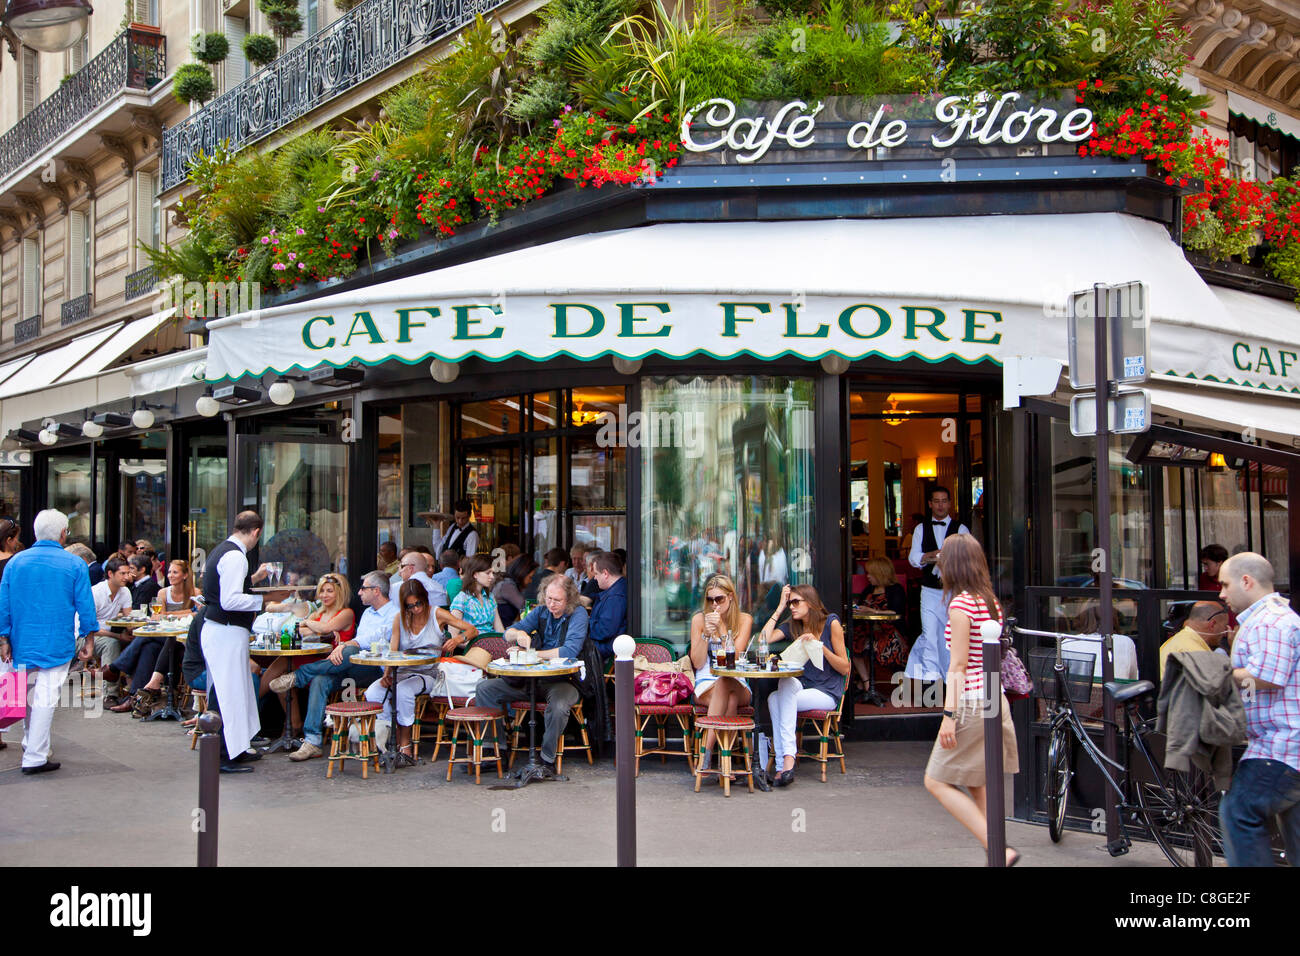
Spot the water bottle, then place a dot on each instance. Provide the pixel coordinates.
(762, 649)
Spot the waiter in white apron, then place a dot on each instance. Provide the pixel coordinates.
(227, 626)
(929, 658)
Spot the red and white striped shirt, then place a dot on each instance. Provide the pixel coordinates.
(975, 609)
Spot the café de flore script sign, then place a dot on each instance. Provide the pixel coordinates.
(854, 128)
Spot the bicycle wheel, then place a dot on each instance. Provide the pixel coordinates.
(1182, 813)
(1058, 782)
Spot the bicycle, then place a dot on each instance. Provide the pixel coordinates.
(1179, 811)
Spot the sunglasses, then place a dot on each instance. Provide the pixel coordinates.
(716, 598)
(414, 604)
(795, 602)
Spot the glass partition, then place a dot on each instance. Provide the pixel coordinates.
(69, 491)
(142, 484)
(727, 474)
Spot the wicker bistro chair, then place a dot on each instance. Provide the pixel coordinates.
(363, 712)
(476, 721)
(520, 709)
(661, 652)
(732, 733)
(826, 725)
(199, 701)
(436, 707)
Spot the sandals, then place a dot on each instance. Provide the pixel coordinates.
(144, 703)
(405, 759)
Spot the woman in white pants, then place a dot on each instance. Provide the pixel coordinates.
(818, 688)
(415, 629)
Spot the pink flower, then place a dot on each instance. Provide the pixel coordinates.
(300, 231)
(265, 240)
(320, 208)
(278, 267)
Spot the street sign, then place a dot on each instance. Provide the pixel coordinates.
(1128, 335)
(1130, 413)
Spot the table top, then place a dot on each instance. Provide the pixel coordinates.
(866, 614)
(401, 660)
(549, 668)
(162, 631)
(129, 623)
(278, 651)
(736, 672)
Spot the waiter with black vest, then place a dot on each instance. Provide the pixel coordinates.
(929, 658)
(461, 537)
(227, 626)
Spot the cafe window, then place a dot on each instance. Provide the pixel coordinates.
(10, 492)
(727, 479)
(1257, 152)
(408, 440)
(69, 490)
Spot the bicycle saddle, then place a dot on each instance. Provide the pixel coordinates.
(1122, 692)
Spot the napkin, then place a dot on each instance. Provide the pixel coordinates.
(800, 652)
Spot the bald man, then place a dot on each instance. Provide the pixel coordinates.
(1205, 627)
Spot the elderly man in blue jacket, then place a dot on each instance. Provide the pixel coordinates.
(45, 604)
(609, 612)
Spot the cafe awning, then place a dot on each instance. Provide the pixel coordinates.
(967, 288)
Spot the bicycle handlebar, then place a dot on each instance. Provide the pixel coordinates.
(1059, 636)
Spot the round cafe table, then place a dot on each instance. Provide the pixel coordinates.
(762, 684)
(872, 618)
(168, 711)
(534, 769)
(388, 759)
(315, 649)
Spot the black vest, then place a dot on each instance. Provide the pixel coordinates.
(455, 541)
(928, 543)
(212, 591)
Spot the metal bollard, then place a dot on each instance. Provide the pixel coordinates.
(209, 727)
(995, 798)
(624, 752)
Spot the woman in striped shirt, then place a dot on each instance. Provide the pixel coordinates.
(957, 759)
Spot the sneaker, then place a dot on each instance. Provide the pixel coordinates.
(306, 751)
(281, 684)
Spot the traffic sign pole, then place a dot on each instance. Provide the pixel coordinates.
(1103, 301)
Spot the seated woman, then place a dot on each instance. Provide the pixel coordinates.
(418, 629)
(180, 597)
(474, 602)
(721, 617)
(884, 593)
(509, 591)
(333, 623)
(149, 657)
(818, 688)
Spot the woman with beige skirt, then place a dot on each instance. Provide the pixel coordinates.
(957, 760)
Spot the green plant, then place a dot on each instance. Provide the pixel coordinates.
(210, 47)
(193, 81)
(346, 5)
(260, 49)
(283, 16)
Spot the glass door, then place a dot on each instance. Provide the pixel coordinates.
(490, 480)
(206, 480)
(299, 486)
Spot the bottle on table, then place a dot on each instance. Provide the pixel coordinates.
(762, 649)
(715, 651)
(730, 646)
(286, 637)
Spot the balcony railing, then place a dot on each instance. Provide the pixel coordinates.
(135, 60)
(365, 41)
(140, 282)
(74, 310)
(27, 329)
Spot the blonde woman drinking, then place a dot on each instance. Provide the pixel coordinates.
(720, 618)
(333, 623)
(957, 759)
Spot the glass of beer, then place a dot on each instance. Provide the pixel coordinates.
(157, 607)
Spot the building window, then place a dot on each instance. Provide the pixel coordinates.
(311, 16)
(31, 302)
(78, 253)
(146, 215)
(30, 94)
(236, 66)
(1258, 152)
(144, 11)
(78, 54)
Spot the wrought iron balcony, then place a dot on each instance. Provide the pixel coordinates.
(365, 41)
(140, 282)
(27, 329)
(74, 310)
(136, 60)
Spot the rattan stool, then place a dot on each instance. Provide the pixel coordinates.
(729, 730)
(476, 721)
(343, 714)
(439, 706)
(521, 708)
(199, 701)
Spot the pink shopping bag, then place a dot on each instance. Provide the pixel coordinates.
(13, 697)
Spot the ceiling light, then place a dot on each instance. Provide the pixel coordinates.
(833, 364)
(9, 443)
(626, 366)
(91, 428)
(206, 405)
(445, 372)
(142, 418)
(47, 437)
(281, 391)
(48, 25)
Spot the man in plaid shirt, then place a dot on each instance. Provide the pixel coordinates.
(1266, 666)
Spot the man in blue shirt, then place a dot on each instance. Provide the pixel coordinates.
(559, 628)
(44, 602)
(450, 561)
(609, 613)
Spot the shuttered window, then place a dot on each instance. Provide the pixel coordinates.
(144, 214)
(31, 92)
(236, 65)
(31, 304)
(78, 253)
(145, 11)
(78, 54)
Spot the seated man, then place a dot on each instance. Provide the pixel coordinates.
(609, 614)
(560, 625)
(325, 677)
(1205, 627)
(555, 561)
(112, 599)
(144, 587)
(414, 567)
(450, 561)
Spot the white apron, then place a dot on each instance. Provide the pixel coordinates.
(929, 657)
(225, 648)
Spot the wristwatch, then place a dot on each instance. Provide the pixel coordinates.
(949, 713)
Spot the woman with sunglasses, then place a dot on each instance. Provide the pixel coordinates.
(818, 688)
(417, 629)
(724, 696)
(957, 759)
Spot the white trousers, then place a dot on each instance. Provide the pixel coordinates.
(929, 656)
(225, 649)
(408, 688)
(784, 705)
(43, 686)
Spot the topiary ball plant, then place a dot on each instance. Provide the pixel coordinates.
(210, 47)
(193, 81)
(260, 49)
(283, 15)
(346, 5)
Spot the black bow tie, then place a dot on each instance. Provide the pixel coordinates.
(938, 522)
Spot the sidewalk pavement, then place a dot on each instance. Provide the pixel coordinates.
(139, 782)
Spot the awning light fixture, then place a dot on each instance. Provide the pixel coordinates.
(236, 394)
(48, 25)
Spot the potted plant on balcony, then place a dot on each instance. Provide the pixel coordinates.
(260, 49)
(284, 17)
(193, 81)
(210, 48)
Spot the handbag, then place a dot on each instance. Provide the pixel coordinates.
(13, 697)
(661, 688)
(1015, 679)
(456, 680)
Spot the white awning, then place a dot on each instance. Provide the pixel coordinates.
(122, 342)
(167, 371)
(1271, 116)
(9, 368)
(1250, 416)
(968, 288)
(47, 367)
